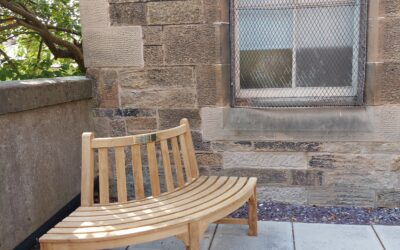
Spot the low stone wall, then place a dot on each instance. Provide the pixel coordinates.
(41, 122)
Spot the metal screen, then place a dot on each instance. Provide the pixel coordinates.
(288, 53)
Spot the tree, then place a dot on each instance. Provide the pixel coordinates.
(47, 34)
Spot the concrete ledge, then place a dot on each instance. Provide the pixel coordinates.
(16, 96)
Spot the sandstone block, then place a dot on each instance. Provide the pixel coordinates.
(209, 159)
(128, 13)
(306, 177)
(142, 123)
(287, 146)
(157, 78)
(232, 146)
(152, 35)
(216, 10)
(213, 84)
(106, 88)
(171, 98)
(170, 118)
(175, 12)
(153, 55)
(290, 195)
(388, 198)
(189, 44)
(389, 80)
(199, 143)
(391, 43)
(391, 7)
(264, 160)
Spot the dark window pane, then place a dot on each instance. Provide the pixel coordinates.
(266, 68)
(324, 67)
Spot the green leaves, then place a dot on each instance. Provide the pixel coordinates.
(32, 58)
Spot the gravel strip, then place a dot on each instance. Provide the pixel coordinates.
(272, 211)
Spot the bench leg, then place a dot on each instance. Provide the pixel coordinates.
(252, 219)
(194, 236)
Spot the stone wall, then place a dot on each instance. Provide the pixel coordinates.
(41, 124)
(171, 59)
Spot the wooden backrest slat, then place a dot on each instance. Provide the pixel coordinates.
(121, 175)
(87, 178)
(137, 171)
(169, 181)
(189, 144)
(103, 176)
(177, 162)
(137, 139)
(153, 169)
(185, 155)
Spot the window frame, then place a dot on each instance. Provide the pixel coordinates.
(302, 96)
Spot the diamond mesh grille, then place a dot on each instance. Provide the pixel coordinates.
(288, 53)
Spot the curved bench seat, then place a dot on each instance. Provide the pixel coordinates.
(185, 212)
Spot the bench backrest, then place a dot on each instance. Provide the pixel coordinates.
(177, 141)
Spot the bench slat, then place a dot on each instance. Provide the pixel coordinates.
(169, 181)
(149, 200)
(177, 162)
(103, 176)
(153, 169)
(121, 175)
(232, 187)
(137, 170)
(185, 156)
(189, 201)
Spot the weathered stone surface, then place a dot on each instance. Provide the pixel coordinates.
(351, 161)
(170, 118)
(390, 90)
(392, 7)
(157, 78)
(189, 44)
(143, 123)
(118, 127)
(216, 10)
(152, 35)
(177, 98)
(232, 146)
(287, 146)
(306, 177)
(40, 152)
(128, 112)
(153, 55)
(16, 96)
(347, 195)
(360, 147)
(128, 13)
(388, 198)
(115, 46)
(290, 195)
(106, 88)
(264, 160)
(199, 143)
(175, 12)
(213, 84)
(209, 159)
(395, 165)
(366, 179)
(391, 43)
(222, 37)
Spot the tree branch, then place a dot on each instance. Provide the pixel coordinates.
(8, 59)
(10, 26)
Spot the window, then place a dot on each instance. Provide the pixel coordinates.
(298, 52)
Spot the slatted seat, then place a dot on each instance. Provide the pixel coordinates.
(186, 208)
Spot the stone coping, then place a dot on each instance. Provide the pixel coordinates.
(16, 96)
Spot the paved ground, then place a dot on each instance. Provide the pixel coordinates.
(290, 236)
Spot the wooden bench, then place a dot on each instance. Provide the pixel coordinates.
(184, 208)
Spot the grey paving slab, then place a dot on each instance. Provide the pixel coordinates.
(173, 244)
(271, 236)
(390, 236)
(335, 237)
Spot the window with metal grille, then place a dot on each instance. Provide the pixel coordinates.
(298, 52)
